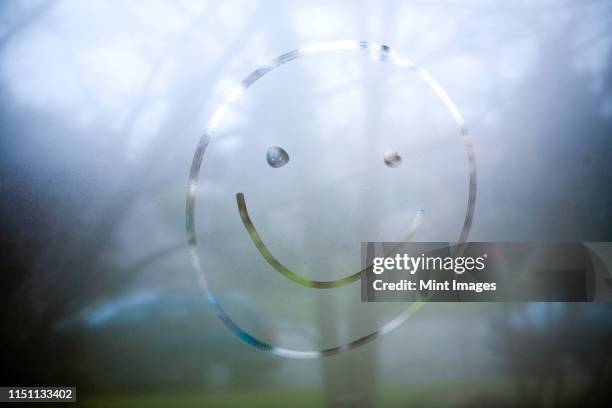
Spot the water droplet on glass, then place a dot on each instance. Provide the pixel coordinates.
(277, 157)
(392, 158)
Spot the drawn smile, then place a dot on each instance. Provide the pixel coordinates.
(282, 269)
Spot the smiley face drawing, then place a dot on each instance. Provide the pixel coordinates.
(279, 158)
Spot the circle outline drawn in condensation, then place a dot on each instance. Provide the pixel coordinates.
(375, 50)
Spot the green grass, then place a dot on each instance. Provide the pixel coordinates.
(255, 399)
(422, 395)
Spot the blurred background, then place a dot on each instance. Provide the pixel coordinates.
(102, 105)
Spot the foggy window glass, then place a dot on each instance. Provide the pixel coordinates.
(103, 105)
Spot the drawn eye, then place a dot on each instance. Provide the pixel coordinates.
(277, 157)
(392, 158)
